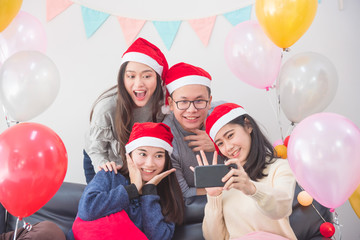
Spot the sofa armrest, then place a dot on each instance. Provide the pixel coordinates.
(61, 209)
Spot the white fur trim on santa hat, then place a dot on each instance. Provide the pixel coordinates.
(188, 80)
(226, 118)
(142, 58)
(149, 142)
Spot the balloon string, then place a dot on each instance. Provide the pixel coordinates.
(278, 116)
(9, 121)
(338, 225)
(290, 128)
(277, 108)
(313, 205)
(16, 225)
(276, 112)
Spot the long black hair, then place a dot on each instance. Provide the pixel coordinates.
(171, 198)
(125, 106)
(261, 151)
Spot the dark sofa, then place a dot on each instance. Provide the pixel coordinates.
(62, 208)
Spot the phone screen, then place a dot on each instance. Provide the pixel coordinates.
(210, 175)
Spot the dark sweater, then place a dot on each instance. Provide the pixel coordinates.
(183, 157)
(110, 193)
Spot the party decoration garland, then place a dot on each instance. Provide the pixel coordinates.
(167, 25)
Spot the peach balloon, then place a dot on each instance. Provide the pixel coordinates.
(304, 198)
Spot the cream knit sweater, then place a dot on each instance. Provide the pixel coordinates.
(233, 214)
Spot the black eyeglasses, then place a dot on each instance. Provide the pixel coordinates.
(185, 104)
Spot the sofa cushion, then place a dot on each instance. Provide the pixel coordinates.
(192, 231)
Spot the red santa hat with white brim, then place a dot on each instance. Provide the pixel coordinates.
(220, 116)
(151, 135)
(183, 74)
(143, 51)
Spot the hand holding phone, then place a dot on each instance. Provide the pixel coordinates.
(207, 176)
(211, 175)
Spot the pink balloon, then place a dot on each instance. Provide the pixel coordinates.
(278, 142)
(324, 154)
(24, 33)
(251, 55)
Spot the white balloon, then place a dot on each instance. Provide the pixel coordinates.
(306, 85)
(29, 83)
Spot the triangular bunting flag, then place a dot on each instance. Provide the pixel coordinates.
(167, 31)
(203, 28)
(130, 28)
(92, 20)
(55, 7)
(238, 16)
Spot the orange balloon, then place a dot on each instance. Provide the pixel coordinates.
(285, 21)
(281, 151)
(8, 10)
(355, 201)
(304, 198)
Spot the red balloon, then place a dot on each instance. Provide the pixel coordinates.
(33, 162)
(286, 140)
(327, 229)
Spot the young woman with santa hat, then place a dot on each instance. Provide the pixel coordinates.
(258, 194)
(142, 201)
(137, 97)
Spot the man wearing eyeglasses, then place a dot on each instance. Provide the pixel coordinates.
(189, 102)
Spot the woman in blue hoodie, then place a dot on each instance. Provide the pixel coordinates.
(146, 189)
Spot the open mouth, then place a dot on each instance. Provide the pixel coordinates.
(140, 95)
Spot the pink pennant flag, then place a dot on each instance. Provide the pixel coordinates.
(203, 28)
(55, 7)
(130, 28)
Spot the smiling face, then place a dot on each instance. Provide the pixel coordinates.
(140, 82)
(191, 118)
(149, 160)
(234, 141)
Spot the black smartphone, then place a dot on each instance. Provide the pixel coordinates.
(211, 175)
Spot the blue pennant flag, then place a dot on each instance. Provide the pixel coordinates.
(238, 16)
(92, 20)
(167, 31)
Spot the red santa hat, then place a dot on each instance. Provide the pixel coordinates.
(150, 134)
(143, 51)
(183, 74)
(220, 116)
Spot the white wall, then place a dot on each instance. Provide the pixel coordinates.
(89, 66)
